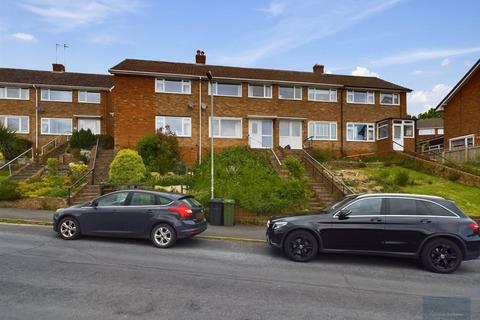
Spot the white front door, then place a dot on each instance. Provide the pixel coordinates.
(290, 134)
(92, 124)
(397, 136)
(260, 134)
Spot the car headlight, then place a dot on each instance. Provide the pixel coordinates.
(279, 224)
(59, 210)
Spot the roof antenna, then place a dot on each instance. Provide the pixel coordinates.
(64, 56)
(56, 52)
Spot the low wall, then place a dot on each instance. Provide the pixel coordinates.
(45, 203)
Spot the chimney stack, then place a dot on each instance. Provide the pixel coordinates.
(318, 68)
(58, 67)
(200, 57)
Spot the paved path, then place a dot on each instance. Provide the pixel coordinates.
(44, 277)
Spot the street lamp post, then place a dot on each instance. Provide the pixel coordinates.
(212, 160)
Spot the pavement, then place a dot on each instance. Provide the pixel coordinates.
(44, 277)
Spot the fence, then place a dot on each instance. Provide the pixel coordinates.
(460, 155)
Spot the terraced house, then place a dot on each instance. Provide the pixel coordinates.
(262, 108)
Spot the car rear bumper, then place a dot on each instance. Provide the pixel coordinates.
(189, 230)
(473, 249)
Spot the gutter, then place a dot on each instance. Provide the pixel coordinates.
(42, 85)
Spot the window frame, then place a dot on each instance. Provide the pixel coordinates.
(183, 82)
(315, 89)
(86, 95)
(183, 118)
(380, 125)
(431, 131)
(250, 85)
(329, 123)
(382, 94)
(352, 93)
(49, 90)
(132, 194)
(382, 208)
(408, 123)
(465, 138)
(125, 203)
(454, 215)
(292, 87)
(219, 127)
(7, 116)
(5, 89)
(215, 84)
(368, 124)
(49, 126)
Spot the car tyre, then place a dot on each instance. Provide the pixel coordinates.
(69, 228)
(301, 246)
(163, 236)
(441, 256)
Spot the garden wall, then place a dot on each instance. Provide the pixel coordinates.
(45, 203)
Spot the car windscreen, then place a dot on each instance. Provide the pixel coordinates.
(190, 201)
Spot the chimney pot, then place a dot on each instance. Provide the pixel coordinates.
(318, 68)
(58, 67)
(200, 57)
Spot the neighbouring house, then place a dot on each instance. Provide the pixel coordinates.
(43, 105)
(429, 134)
(461, 111)
(261, 108)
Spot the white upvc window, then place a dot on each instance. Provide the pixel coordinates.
(179, 86)
(462, 142)
(382, 130)
(56, 95)
(389, 98)
(14, 93)
(223, 127)
(290, 92)
(408, 129)
(426, 132)
(57, 126)
(361, 96)
(322, 130)
(180, 126)
(317, 94)
(440, 131)
(88, 97)
(94, 125)
(360, 132)
(19, 124)
(260, 91)
(225, 89)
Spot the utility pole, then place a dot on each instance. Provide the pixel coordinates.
(212, 175)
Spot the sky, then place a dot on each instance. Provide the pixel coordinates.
(425, 45)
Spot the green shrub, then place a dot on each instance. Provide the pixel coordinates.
(453, 176)
(172, 180)
(11, 145)
(401, 178)
(127, 167)
(294, 166)
(83, 139)
(159, 152)
(8, 189)
(322, 155)
(52, 166)
(77, 170)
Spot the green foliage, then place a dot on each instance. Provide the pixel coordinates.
(127, 167)
(431, 113)
(401, 178)
(77, 170)
(159, 152)
(8, 189)
(453, 176)
(11, 145)
(52, 166)
(49, 186)
(171, 180)
(1, 156)
(83, 139)
(249, 179)
(322, 155)
(294, 166)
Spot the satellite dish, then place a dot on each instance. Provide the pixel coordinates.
(204, 106)
(190, 104)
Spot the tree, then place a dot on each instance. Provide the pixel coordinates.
(159, 151)
(11, 145)
(127, 167)
(430, 113)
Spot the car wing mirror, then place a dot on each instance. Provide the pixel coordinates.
(343, 214)
(93, 204)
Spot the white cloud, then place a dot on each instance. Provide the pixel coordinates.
(418, 72)
(275, 8)
(364, 72)
(445, 62)
(27, 37)
(422, 100)
(421, 55)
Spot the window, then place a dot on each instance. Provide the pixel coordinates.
(432, 209)
(14, 93)
(316, 94)
(114, 199)
(89, 124)
(402, 207)
(440, 131)
(363, 97)
(320, 130)
(56, 95)
(259, 91)
(382, 130)
(408, 129)
(366, 207)
(180, 126)
(19, 124)
(56, 126)
(360, 132)
(413, 207)
(462, 142)
(426, 132)
(226, 89)
(88, 97)
(290, 93)
(173, 86)
(142, 199)
(389, 98)
(226, 127)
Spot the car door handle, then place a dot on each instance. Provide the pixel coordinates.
(376, 220)
(149, 211)
(426, 221)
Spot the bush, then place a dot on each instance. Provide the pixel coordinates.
(401, 178)
(83, 139)
(1, 156)
(172, 180)
(127, 167)
(159, 152)
(77, 170)
(11, 145)
(294, 166)
(8, 189)
(51, 186)
(52, 166)
(453, 176)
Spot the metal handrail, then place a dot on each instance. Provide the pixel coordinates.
(9, 163)
(271, 149)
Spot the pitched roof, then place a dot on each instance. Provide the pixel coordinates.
(458, 86)
(192, 69)
(430, 123)
(50, 78)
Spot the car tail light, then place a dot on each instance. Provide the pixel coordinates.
(475, 228)
(183, 211)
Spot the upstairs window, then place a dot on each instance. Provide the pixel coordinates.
(389, 98)
(259, 91)
(362, 97)
(316, 94)
(321, 130)
(14, 93)
(56, 95)
(225, 89)
(180, 126)
(290, 93)
(382, 130)
(360, 132)
(88, 97)
(173, 86)
(19, 124)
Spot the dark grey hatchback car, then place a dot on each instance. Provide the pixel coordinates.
(162, 217)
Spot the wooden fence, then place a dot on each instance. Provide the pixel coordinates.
(460, 155)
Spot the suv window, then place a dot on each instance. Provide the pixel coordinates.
(142, 199)
(402, 207)
(432, 209)
(365, 207)
(114, 199)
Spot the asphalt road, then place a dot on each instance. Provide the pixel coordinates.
(44, 277)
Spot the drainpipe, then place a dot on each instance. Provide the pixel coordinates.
(36, 120)
(199, 120)
(341, 122)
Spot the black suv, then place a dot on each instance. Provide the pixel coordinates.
(429, 228)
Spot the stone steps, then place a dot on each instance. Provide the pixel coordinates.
(27, 172)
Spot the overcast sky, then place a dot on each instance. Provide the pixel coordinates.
(424, 45)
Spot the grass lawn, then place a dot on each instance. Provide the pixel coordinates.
(467, 198)
(3, 173)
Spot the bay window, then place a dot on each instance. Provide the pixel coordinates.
(382, 130)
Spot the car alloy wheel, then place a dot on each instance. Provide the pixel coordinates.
(301, 246)
(163, 236)
(442, 256)
(69, 229)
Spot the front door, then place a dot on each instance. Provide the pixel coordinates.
(397, 135)
(92, 124)
(260, 134)
(290, 134)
